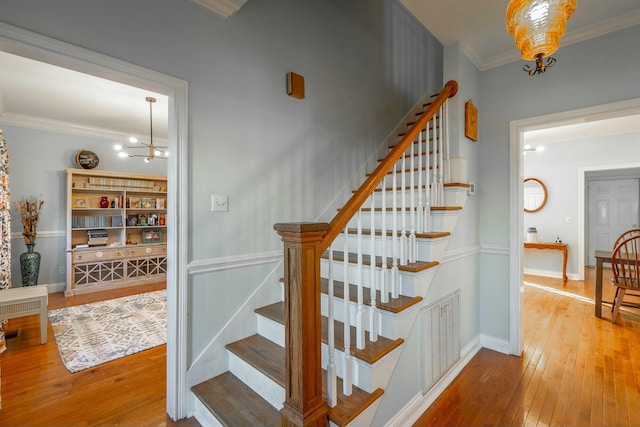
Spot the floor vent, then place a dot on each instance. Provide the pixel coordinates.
(441, 338)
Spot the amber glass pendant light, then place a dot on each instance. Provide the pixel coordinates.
(537, 27)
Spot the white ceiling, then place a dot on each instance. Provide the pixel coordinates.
(479, 25)
(40, 95)
(44, 96)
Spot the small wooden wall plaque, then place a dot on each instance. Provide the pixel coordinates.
(470, 121)
(295, 85)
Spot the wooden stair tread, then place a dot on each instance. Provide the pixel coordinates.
(256, 351)
(433, 208)
(395, 305)
(234, 403)
(413, 267)
(265, 356)
(371, 353)
(457, 184)
(431, 235)
(408, 156)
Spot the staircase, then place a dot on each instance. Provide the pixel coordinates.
(328, 349)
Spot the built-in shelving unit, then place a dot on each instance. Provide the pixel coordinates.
(116, 229)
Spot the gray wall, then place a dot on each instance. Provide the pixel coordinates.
(589, 73)
(278, 158)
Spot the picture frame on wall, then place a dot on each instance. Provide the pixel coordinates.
(470, 121)
(152, 235)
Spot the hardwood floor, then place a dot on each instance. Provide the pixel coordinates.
(37, 390)
(576, 369)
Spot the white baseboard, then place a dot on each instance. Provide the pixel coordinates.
(421, 402)
(496, 344)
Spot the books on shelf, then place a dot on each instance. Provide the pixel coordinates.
(97, 237)
(90, 221)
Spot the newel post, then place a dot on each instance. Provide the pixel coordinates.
(304, 404)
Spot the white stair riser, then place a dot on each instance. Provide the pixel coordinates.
(338, 274)
(392, 325)
(407, 197)
(204, 416)
(270, 330)
(367, 377)
(440, 220)
(455, 196)
(428, 249)
(260, 383)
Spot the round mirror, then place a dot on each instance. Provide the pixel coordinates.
(535, 195)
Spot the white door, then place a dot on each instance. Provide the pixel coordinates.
(613, 209)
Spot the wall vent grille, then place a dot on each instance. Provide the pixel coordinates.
(441, 338)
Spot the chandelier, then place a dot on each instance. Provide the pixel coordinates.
(537, 26)
(154, 151)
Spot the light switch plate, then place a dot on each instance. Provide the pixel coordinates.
(219, 203)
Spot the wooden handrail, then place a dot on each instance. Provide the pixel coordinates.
(304, 244)
(340, 221)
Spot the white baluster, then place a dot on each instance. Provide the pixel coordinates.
(404, 243)
(427, 192)
(394, 237)
(384, 273)
(446, 124)
(440, 161)
(332, 375)
(373, 311)
(360, 327)
(420, 214)
(412, 209)
(347, 377)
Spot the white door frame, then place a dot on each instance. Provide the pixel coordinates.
(517, 128)
(40, 48)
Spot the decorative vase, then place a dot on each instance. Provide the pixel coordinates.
(30, 266)
(104, 202)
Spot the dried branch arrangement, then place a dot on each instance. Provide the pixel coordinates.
(30, 214)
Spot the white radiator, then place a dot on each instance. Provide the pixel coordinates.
(441, 338)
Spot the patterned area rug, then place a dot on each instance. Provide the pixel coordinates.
(91, 334)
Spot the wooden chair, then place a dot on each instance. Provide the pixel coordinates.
(625, 265)
(624, 236)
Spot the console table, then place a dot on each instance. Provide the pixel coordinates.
(557, 246)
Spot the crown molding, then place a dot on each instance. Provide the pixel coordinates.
(600, 29)
(48, 125)
(224, 8)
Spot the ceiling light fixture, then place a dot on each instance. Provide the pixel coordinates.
(155, 152)
(537, 26)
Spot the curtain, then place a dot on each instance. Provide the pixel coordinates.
(5, 228)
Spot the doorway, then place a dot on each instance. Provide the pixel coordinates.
(518, 128)
(34, 46)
